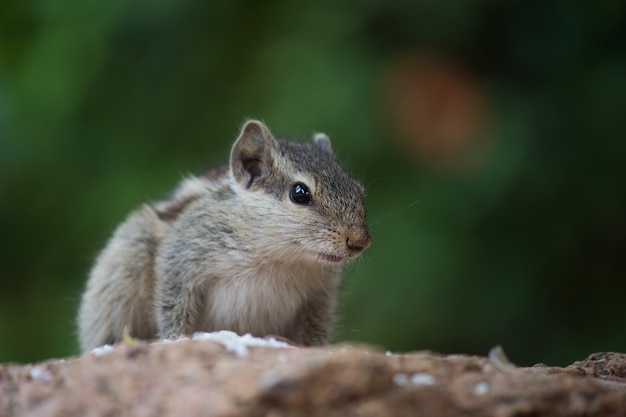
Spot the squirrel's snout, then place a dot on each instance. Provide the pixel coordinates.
(358, 240)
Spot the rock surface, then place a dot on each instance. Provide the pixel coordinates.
(203, 378)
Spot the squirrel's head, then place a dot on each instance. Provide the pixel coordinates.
(310, 206)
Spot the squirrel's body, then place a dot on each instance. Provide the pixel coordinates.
(256, 247)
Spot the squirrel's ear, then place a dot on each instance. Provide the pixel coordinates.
(323, 142)
(251, 155)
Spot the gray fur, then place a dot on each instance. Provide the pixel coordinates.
(230, 250)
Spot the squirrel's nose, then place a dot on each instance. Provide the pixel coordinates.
(358, 240)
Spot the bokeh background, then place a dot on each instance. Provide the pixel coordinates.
(490, 135)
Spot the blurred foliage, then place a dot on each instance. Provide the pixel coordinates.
(490, 135)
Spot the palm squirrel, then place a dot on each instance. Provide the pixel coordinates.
(254, 247)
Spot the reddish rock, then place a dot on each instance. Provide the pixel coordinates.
(200, 378)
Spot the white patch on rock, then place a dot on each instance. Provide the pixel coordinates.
(481, 388)
(400, 379)
(37, 372)
(421, 378)
(418, 378)
(230, 340)
(99, 351)
(239, 344)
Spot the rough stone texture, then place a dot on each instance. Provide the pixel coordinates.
(200, 378)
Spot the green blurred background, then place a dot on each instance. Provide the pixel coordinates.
(490, 136)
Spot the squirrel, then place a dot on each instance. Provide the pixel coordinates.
(256, 246)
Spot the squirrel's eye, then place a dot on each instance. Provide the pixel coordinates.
(300, 194)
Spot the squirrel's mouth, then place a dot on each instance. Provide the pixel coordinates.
(329, 257)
